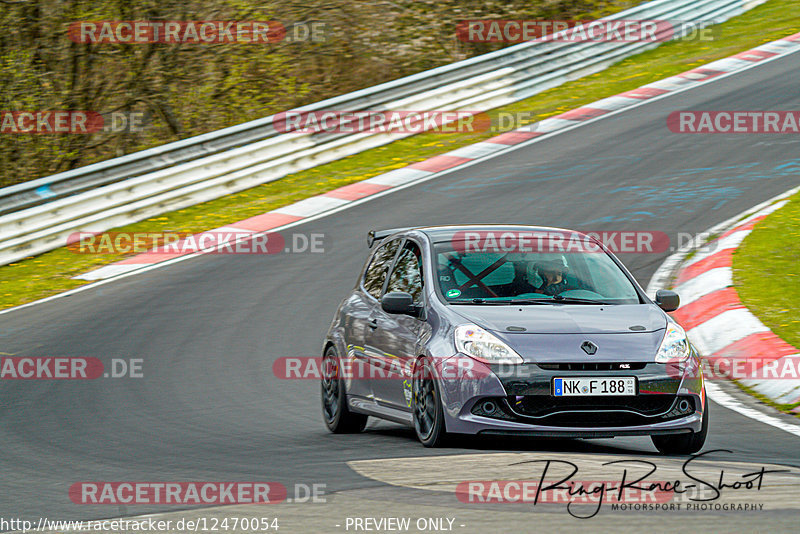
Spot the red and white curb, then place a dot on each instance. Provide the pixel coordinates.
(715, 319)
(339, 198)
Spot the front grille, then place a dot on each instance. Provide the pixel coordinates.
(593, 366)
(595, 420)
(543, 405)
(597, 412)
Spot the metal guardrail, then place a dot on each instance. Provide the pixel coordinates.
(39, 215)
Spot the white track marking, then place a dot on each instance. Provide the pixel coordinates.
(311, 206)
(723, 399)
(705, 283)
(724, 329)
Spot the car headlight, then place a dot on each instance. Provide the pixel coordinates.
(476, 342)
(675, 347)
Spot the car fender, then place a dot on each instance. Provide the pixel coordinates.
(462, 382)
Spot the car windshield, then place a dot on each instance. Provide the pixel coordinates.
(547, 271)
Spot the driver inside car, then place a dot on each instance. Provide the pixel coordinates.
(552, 274)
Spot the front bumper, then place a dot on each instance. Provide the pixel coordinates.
(518, 400)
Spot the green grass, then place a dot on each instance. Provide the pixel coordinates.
(49, 273)
(766, 275)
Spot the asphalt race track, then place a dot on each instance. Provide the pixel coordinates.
(208, 329)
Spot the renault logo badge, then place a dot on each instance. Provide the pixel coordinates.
(589, 347)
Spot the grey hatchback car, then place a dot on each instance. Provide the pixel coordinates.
(509, 330)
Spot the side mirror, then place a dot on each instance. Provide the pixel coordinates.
(399, 302)
(667, 300)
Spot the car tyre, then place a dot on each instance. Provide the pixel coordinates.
(428, 413)
(338, 417)
(685, 443)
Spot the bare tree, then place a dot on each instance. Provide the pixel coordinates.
(188, 89)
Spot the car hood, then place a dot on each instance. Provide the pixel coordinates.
(565, 318)
(556, 333)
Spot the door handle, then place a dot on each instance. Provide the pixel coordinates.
(373, 323)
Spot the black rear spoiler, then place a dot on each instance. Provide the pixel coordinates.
(374, 236)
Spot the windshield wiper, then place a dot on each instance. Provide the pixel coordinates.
(480, 301)
(558, 299)
(530, 301)
(576, 300)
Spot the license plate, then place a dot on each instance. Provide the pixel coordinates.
(595, 385)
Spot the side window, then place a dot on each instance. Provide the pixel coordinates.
(376, 272)
(407, 274)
